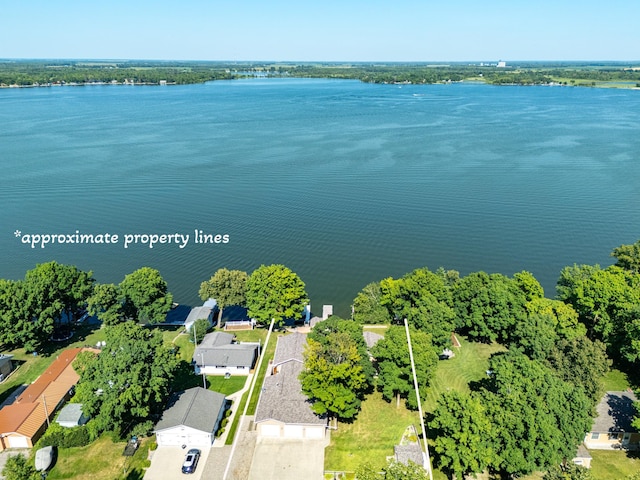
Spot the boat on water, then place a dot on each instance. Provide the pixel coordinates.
(44, 458)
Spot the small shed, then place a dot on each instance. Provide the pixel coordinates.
(6, 366)
(71, 416)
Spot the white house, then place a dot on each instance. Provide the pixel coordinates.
(283, 411)
(218, 354)
(191, 418)
(203, 312)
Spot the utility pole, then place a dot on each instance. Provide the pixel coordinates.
(195, 342)
(46, 412)
(415, 385)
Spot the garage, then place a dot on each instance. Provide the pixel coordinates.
(314, 433)
(191, 418)
(18, 442)
(271, 431)
(293, 431)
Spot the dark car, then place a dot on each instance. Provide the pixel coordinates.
(191, 461)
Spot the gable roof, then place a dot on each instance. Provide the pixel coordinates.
(196, 408)
(371, 338)
(281, 398)
(615, 413)
(218, 350)
(29, 412)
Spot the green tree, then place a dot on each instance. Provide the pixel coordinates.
(537, 418)
(228, 287)
(17, 467)
(333, 378)
(323, 331)
(424, 299)
(200, 328)
(582, 362)
(565, 318)
(105, 303)
(488, 306)
(144, 296)
(275, 292)
(18, 324)
(128, 381)
(463, 432)
(367, 307)
(394, 365)
(567, 471)
(628, 257)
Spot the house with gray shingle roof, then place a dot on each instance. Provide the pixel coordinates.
(191, 418)
(219, 354)
(283, 411)
(612, 426)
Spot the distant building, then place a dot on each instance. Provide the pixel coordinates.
(502, 64)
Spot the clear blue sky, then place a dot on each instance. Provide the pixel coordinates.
(322, 30)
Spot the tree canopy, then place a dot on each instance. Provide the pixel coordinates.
(275, 292)
(144, 295)
(228, 287)
(128, 381)
(395, 379)
(333, 378)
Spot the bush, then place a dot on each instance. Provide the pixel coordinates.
(153, 446)
(143, 429)
(62, 437)
(219, 432)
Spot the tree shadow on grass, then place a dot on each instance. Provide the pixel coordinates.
(185, 378)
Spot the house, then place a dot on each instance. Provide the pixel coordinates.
(203, 312)
(191, 418)
(583, 457)
(612, 426)
(283, 411)
(218, 354)
(71, 416)
(6, 366)
(25, 420)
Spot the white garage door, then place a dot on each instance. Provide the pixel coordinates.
(170, 439)
(18, 442)
(294, 431)
(270, 430)
(314, 433)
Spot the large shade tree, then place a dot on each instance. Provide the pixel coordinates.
(128, 381)
(228, 287)
(395, 378)
(275, 292)
(333, 378)
(144, 296)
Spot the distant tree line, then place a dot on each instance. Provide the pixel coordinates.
(28, 73)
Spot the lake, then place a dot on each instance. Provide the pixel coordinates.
(344, 182)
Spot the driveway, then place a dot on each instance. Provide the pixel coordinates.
(10, 453)
(276, 459)
(166, 464)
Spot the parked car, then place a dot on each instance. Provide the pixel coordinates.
(191, 461)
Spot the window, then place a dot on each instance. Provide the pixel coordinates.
(595, 435)
(626, 437)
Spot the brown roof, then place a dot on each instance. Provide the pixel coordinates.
(27, 414)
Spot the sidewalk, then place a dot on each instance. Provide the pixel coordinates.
(235, 398)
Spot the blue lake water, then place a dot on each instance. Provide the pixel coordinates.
(343, 182)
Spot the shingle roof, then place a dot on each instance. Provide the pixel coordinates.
(371, 338)
(70, 413)
(281, 398)
(615, 413)
(404, 453)
(216, 349)
(196, 408)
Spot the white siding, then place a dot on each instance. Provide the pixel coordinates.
(179, 436)
(270, 431)
(315, 433)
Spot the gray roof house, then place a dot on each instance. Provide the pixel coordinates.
(191, 418)
(612, 426)
(218, 354)
(283, 411)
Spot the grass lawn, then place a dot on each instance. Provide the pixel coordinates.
(614, 465)
(227, 386)
(616, 381)
(371, 437)
(469, 364)
(101, 460)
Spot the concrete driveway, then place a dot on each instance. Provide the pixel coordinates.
(166, 464)
(276, 459)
